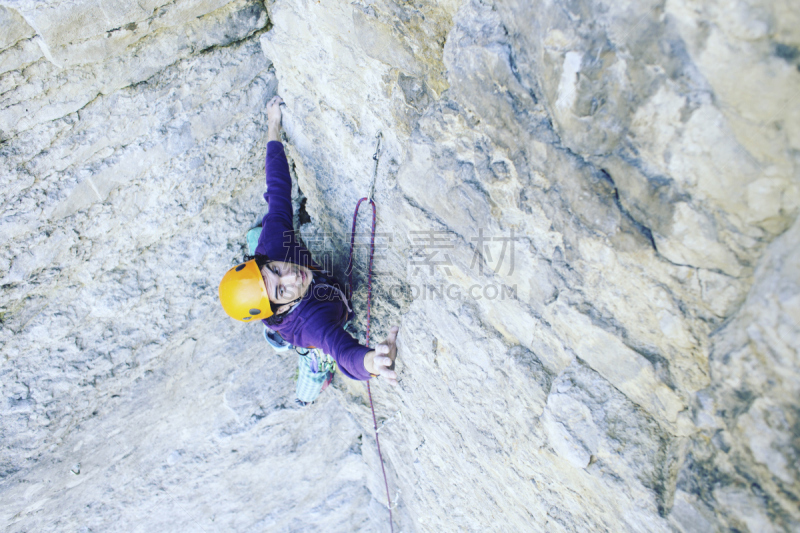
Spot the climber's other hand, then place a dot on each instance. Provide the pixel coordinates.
(383, 357)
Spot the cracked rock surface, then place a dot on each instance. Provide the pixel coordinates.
(587, 218)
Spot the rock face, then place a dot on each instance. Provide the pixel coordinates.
(587, 217)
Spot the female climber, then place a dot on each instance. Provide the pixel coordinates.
(284, 288)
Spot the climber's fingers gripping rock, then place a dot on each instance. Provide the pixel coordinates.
(385, 354)
(274, 116)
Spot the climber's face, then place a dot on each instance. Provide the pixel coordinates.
(286, 282)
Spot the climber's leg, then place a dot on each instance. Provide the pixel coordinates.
(311, 378)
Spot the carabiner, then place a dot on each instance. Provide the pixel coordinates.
(375, 157)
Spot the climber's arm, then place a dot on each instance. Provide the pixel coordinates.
(322, 329)
(279, 180)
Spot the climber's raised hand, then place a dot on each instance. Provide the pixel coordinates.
(274, 118)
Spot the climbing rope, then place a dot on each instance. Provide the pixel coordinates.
(369, 303)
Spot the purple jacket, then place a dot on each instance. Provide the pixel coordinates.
(318, 319)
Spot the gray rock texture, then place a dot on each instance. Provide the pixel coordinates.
(587, 217)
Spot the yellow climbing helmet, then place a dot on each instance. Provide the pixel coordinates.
(243, 294)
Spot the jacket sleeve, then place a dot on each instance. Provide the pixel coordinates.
(328, 335)
(279, 191)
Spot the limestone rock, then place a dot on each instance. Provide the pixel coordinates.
(587, 217)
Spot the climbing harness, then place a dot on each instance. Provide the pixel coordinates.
(369, 301)
(321, 362)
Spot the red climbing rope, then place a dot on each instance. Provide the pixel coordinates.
(369, 308)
